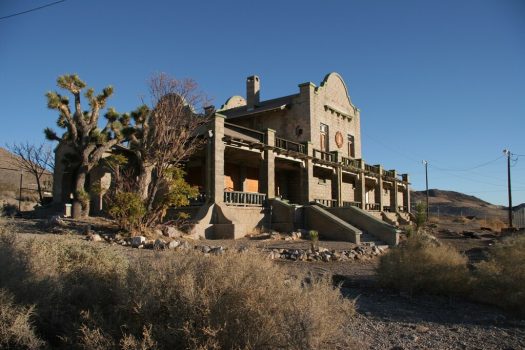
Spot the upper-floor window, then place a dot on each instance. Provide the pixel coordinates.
(351, 146)
(323, 141)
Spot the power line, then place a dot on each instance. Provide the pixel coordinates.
(31, 10)
(471, 168)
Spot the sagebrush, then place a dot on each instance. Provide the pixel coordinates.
(91, 297)
(501, 279)
(422, 264)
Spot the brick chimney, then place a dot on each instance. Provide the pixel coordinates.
(253, 87)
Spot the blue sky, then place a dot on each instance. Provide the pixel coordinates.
(437, 80)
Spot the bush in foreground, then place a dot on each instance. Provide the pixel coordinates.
(422, 264)
(16, 329)
(91, 297)
(501, 279)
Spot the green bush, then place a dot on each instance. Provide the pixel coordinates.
(501, 279)
(128, 209)
(421, 264)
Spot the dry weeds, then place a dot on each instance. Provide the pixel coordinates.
(91, 297)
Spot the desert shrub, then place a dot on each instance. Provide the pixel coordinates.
(63, 277)
(235, 301)
(9, 210)
(501, 279)
(128, 209)
(422, 264)
(16, 329)
(90, 297)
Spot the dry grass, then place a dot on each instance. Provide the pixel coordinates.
(494, 224)
(422, 264)
(91, 297)
(16, 329)
(501, 279)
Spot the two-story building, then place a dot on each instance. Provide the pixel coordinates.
(293, 162)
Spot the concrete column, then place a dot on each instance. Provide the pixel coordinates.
(406, 197)
(361, 186)
(269, 165)
(380, 187)
(394, 193)
(243, 175)
(337, 182)
(307, 175)
(217, 153)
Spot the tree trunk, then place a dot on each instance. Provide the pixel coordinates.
(144, 180)
(80, 209)
(39, 188)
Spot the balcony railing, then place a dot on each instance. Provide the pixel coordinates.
(351, 204)
(255, 134)
(246, 199)
(289, 145)
(402, 208)
(372, 206)
(330, 203)
(389, 173)
(326, 156)
(372, 168)
(349, 162)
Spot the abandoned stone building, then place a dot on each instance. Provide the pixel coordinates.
(289, 163)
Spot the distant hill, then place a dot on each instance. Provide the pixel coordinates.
(455, 203)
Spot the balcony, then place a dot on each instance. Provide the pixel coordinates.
(290, 146)
(243, 136)
(352, 163)
(244, 199)
(373, 206)
(352, 204)
(389, 173)
(402, 208)
(330, 203)
(324, 156)
(374, 169)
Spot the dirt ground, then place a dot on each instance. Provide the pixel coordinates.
(385, 319)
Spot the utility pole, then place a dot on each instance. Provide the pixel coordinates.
(425, 163)
(508, 154)
(20, 193)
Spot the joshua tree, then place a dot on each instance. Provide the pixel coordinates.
(82, 132)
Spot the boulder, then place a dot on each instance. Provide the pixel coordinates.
(173, 244)
(94, 237)
(159, 244)
(172, 232)
(138, 241)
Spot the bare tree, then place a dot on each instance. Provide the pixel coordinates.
(166, 134)
(34, 159)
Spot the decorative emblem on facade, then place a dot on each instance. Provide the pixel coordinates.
(339, 139)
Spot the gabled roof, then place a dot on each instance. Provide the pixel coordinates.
(275, 104)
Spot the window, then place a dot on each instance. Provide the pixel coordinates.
(323, 141)
(351, 146)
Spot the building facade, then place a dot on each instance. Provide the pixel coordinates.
(299, 149)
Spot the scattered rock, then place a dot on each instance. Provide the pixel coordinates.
(173, 244)
(94, 237)
(217, 250)
(172, 232)
(55, 220)
(138, 241)
(159, 244)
